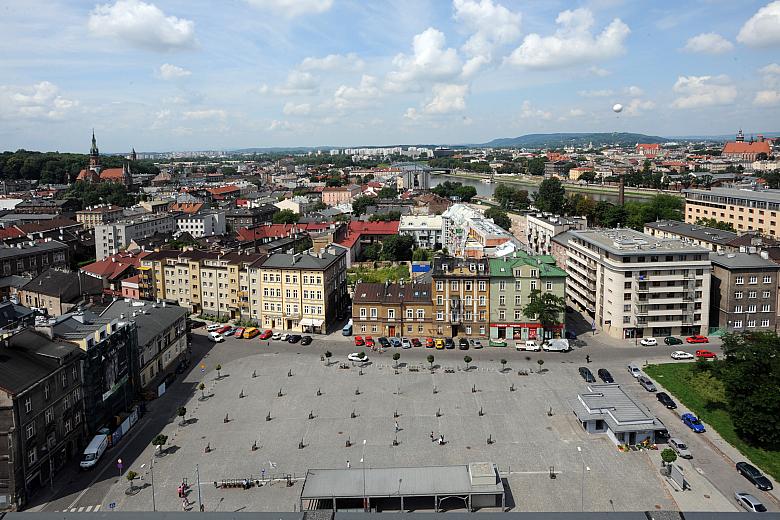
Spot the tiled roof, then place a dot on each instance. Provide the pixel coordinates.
(114, 266)
(48, 225)
(392, 293)
(186, 207)
(10, 232)
(737, 147)
(223, 190)
(356, 229)
(112, 174)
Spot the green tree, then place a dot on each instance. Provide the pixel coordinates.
(668, 455)
(588, 177)
(397, 248)
(449, 189)
(430, 359)
(360, 203)
(181, 412)
(131, 476)
(218, 368)
(328, 355)
(388, 192)
(540, 362)
(467, 360)
(422, 255)
(396, 357)
(503, 364)
(511, 198)
(159, 441)
(371, 251)
(285, 216)
(536, 166)
(202, 389)
(716, 224)
(547, 308)
(551, 196)
(499, 216)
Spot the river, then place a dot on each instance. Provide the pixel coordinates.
(486, 190)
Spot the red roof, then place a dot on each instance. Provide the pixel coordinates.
(87, 175)
(648, 146)
(186, 207)
(112, 174)
(224, 190)
(11, 232)
(113, 267)
(279, 230)
(356, 229)
(742, 147)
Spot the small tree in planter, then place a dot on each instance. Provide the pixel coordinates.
(540, 362)
(668, 456)
(131, 476)
(159, 441)
(202, 389)
(430, 359)
(328, 355)
(181, 412)
(396, 357)
(467, 360)
(503, 364)
(362, 355)
(218, 368)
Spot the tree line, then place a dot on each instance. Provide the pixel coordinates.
(59, 168)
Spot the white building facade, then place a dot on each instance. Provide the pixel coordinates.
(201, 225)
(425, 229)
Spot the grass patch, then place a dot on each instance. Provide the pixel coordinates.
(380, 275)
(704, 396)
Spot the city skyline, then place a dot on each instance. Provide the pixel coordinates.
(172, 75)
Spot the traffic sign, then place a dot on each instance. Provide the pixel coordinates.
(112, 505)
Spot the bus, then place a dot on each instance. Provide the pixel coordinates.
(347, 330)
(251, 332)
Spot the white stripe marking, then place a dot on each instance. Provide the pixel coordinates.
(97, 508)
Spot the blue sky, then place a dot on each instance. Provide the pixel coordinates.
(191, 75)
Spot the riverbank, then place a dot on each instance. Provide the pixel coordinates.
(634, 193)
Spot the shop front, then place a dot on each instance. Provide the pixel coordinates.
(524, 331)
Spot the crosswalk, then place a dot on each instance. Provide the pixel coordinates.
(82, 509)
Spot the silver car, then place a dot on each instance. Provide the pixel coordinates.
(680, 448)
(750, 502)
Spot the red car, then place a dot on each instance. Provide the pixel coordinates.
(416, 342)
(359, 341)
(706, 354)
(428, 342)
(239, 332)
(697, 339)
(224, 329)
(369, 341)
(266, 334)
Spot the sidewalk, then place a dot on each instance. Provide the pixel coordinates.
(702, 495)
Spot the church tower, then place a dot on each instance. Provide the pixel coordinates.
(94, 155)
(133, 156)
(740, 136)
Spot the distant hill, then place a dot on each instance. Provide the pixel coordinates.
(574, 139)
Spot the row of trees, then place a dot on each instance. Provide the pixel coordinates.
(449, 189)
(58, 168)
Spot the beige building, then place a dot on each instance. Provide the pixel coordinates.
(746, 210)
(96, 215)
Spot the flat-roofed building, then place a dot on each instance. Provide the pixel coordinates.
(542, 227)
(113, 237)
(202, 224)
(92, 216)
(425, 229)
(746, 210)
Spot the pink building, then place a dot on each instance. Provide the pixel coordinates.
(335, 195)
(130, 287)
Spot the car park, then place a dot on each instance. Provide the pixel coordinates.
(416, 342)
(749, 502)
(369, 341)
(605, 376)
(692, 422)
(755, 476)
(587, 375)
(306, 340)
(697, 338)
(671, 340)
(706, 354)
(665, 400)
(356, 357)
(266, 334)
(463, 344)
(293, 338)
(680, 448)
(449, 343)
(429, 343)
(648, 342)
(383, 342)
(276, 336)
(634, 370)
(216, 337)
(680, 354)
(359, 341)
(475, 343)
(439, 343)
(646, 383)
(405, 343)
(239, 332)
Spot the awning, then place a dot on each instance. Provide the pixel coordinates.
(309, 322)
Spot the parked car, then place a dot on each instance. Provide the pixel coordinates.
(293, 338)
(755, 477)
(284, 337)
(634, 370)
(530, 345)
(395, 342)
(449, 343)
(697, 338)
(439, 343)
(359, 341)
(680, 354)
(267, 333)
(429, 343)
(605, 375)
(356, 357)
(648, 342)
(665, 400)
(369, 341)
(306, 340)
(416, 342)
(693, 422)
(194, 324)
(706, 354)
(671, 340)
(239, 332)
(463, 344)
(251, 332)
(216, 337)
(646, 383)
(384, 342)
(213, 327)
(587, 375)
(680, 448)
(749, 502)
(570, 335)
(276, 336)
(223, 329)
(405, 343)
(475, 343)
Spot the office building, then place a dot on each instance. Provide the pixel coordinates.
(111, 238)
(746, 210)
(202, 224)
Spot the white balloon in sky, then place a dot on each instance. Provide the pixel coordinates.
(617, 108)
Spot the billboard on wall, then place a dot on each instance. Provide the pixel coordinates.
(115, 369)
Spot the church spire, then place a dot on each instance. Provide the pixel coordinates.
(94, 154)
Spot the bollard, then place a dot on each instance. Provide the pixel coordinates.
(352, 415)
(348, 443)
(311, 415)
(289, 373)
(550, 412)
(481, 413)
(301, 445)
(319, 392)
(241, 395)
(438, 412)
(280, 394)
(226, 419)
(435, 390)
(512, 387)
(552, 472)
(268, 417)
(254, 373)
(207, 449)
(474, 389)
(254, 446)
(490, 439)
(395, 441)
(361, 372)
(357, 391)
(395, 414)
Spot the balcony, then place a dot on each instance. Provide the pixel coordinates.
(642, 310)
(642, 288)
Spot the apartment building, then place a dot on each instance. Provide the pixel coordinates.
(202, 224)
(461, 296)
(111, 238)
(393, 309)
(541, 228)
(335, 195)
(634, 285)
(92, 216)
(483, 238)
(303, 292)
(32, 258)
(716, 240)
(425, 229)
(512, 280)
(746, 210)
(744, 293)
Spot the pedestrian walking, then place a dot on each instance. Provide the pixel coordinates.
(587, 359)
(184, 504)
(202, 508)
(348, 465)
(432, 436)
(441, 440)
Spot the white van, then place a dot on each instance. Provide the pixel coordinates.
(529, 345)
(94, 450)
(213, 327)
(556, 345)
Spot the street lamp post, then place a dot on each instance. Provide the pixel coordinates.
(362, 463)
(197, 476)
(582, 480)
(151, 472)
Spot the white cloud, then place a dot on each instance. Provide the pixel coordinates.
(770, 75)
(492, 25)
(168, 72)
(708, 43)
(298, 83)
(39, 101)
(635, 107)
(572, 43)
(633, 91)
(141, 24)
(763, 28)
(291, 109)
(703, 91)
(431, 60)
(576, 112)
(599, 72)
(211, 113)
(595, 93)
(528, 111)
(361, 96)
(332, 62)
(447, 98)
(292, 8)
(284, 126)
(772, 68)
(766, 98)
(412, 114)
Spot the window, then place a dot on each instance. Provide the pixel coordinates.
(751, 323)
(765, 294)
(751, 294)
(548, 286)
(738, 324)
(390, 314)
(482, 301)
(410, 314)
(481, 285)
(765, 308)
(754, 279)
(467, 286)
(767, 279)
(627, 308)
(420, 314)
(740, 280)
(439, 299)
(764, 323)
(440, 315)
(534, 273)
(49, 415)
(30, 431)
(518, 299)
(439, 286)
(28, 405)
(454, 285)
(502, 285)
(468, 329)
(738, 308)
(373, 312)
(501, 315)
(738, 295)
(533, 285)
(751, 308)
(481, 330)
(32, 456)
(502, 300)
(46, 391)
(68, 427)
(518, 315)
(363, 312)
(518, 285)
(468, 300)
(626, 319)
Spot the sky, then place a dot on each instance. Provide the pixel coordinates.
(162, 75)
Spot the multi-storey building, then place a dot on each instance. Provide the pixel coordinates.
(461, 296)
(110, 238)
(335, 195)
(746, 210)
(241, 217)
(302, 291)
(425, 229)
(512, 280)
(32, 258)
(541, 228)
(710, 238)
(634, 285)
(41, 413)
(393, 309)
(744, 292)
(202, 224)
(96, 215)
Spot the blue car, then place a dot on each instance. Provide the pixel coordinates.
(395, 342)
(693, 422)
